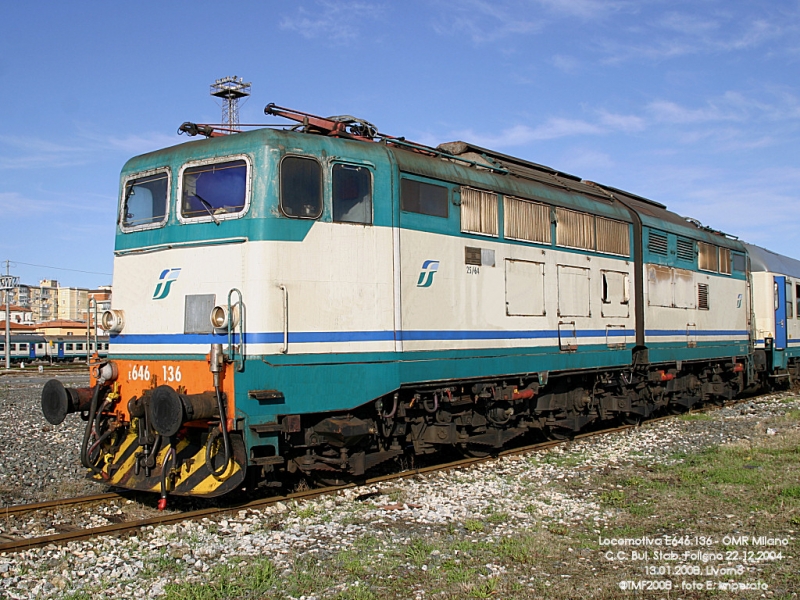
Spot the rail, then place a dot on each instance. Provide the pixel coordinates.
(165, 519)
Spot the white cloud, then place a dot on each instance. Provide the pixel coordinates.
(134, 144)
(339, 22)
(677, 34)
(586, 9)
(568, 64)
(483, 21)
(618, 122)
(519, 135)
(30, 152)
(15, 205)
(586, 160)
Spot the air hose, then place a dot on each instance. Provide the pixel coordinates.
(87, 432)
(212, 437)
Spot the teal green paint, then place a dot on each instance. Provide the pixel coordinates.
(672, 351)
(672, 260)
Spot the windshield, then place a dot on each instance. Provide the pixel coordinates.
(215, 189)
(145, 201)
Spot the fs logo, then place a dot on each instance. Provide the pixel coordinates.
(165, 280)
(429, 268)
(739, 301)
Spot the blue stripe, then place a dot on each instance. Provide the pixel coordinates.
(671, 332)
(306, 337)
(311, 337)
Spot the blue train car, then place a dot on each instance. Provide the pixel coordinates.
(24, 347)
(776, 308)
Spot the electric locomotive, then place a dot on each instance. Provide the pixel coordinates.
(320, 300)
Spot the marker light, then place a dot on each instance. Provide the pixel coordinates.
(221, 319)
(113, 320)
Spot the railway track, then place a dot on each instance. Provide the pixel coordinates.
(18, 544)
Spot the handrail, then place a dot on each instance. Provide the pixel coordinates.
(285, 349)
(91, 303)
(232, 326)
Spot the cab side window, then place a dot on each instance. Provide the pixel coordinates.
(144, 203)
(352, 194)
(301, 187)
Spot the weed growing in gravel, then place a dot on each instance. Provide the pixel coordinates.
(306, 576)
(473, 525)
(418, 552)
(357, 592)
(486, 589)
(227, 581)
(79, 595)
(696, 417)
(306, 511)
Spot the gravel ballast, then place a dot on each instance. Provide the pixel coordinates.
(40, 461)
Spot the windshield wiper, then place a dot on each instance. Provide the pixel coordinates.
(208, 207)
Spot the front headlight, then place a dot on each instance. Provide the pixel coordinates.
(113, 320)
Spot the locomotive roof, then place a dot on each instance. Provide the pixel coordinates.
(467, 164)
(763, 260)
(652, 213)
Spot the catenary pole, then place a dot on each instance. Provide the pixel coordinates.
(8, 320)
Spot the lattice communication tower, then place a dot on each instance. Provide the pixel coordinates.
(230, 90)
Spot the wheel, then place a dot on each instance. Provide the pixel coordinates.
(321, 479)
(631, 419)
(557, 433)
(474, 451)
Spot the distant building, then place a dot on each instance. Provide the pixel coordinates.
(72, 304)
(62, 327)
(49, 301)
(19, 315)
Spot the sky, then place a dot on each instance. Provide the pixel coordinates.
(693, 104)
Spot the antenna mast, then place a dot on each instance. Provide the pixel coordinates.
(230, 90)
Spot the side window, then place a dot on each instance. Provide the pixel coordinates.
(69, 347)
(144, 202)
(424, 198)
(739, 263)
(725, 261)
(352, 194)
(301, 187)
(708, 257)
(797, 300)
(214, 191)
(478, 211)
(789, 301)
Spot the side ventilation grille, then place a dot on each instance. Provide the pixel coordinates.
(685, 249)
(702, 296)
(657, 243)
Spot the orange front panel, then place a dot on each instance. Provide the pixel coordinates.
(186, 376)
